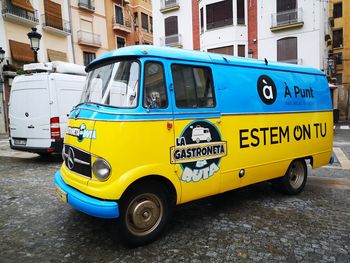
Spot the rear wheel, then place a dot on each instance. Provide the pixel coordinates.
(293, 182)
(144, 212)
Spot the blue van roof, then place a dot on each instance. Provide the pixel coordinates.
(197, 56)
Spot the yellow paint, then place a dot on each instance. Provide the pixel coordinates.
(136, 149)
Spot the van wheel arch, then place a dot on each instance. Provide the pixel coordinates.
(294, 180)
(145, 208)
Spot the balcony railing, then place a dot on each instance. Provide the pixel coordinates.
(88, 38)
(220, 23)
(20, 15)
(173, 40)
(87, 4)
(122, 24)
(168, 5)
(290, 18)
(55, 24)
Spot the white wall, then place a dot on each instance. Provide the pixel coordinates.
(310, 37)
(184, 18)
(224, 36)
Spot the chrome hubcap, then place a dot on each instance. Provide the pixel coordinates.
(144, 214)
(296, 175)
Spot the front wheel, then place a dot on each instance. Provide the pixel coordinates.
(293, 182)
(144, 212)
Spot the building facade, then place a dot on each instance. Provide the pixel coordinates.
(339, 55)
(223, 26)
(176, 23)
(51, 18)
(287, 29)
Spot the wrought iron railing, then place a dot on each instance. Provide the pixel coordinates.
(22, 13)
(89, 38)
(87, 4)
(55, 22)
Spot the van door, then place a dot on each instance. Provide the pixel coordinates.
(29, 110)
(68, 92)
(198, 143)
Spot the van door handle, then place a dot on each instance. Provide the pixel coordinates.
(31, 127)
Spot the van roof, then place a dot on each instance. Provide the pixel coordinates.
(197, 56)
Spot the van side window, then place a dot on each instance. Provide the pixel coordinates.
(193, 86)
(154, 92)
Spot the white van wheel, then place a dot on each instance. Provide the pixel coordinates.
(144, 212)
(293, 182)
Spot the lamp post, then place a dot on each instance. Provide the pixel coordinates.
(34, 38)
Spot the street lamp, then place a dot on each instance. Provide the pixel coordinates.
(2, 55)
(34, 38)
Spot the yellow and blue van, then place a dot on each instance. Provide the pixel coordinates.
(157, 127)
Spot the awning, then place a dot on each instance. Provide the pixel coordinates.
(23, 4)
(55, 55)
(21, 52)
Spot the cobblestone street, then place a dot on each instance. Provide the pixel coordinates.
(253, 224)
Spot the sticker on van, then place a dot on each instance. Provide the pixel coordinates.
(198, 150)
(81, 132)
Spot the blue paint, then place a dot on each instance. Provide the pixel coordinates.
(86, 204)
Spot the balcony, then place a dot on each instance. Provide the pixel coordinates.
(88, 5)
(169, 5)
(121, 24)
(89, 39)
(19, 16)
(287, 19)
(55, 25)
(173, 41)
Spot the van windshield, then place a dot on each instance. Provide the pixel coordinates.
(115, 84)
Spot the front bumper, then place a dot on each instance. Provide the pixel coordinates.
(84, 203)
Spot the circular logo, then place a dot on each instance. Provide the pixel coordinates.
(198, 150)
(267, 89)
(70, 158)
(26, 114)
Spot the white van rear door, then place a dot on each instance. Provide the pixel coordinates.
(29, 108)
(68, 90)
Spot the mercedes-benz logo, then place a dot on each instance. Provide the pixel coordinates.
(26, 114)
(70, 158)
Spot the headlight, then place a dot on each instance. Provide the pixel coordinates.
(101, 169)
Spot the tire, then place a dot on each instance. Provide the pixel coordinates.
(144, 212)
(293, 182)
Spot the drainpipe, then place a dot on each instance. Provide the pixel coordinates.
(71, 35)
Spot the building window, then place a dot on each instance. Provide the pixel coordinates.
(144, 22)
(171, 30)
(118, 12)
(241, 50)
(287, 50)
(219, 14)
(88, 57)
(283, 16)
(338, 58)
(202, 20)
(240, 12)
(193, 87)
(136, 21)
(151, 23)
(338, 38)
(53, 15)
(227, 50)
(120, 42)
(338, 10)
(338, 79)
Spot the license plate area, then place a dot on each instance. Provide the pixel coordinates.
(21, 142)
(61, 194)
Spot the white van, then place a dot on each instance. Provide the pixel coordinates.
(40, 103)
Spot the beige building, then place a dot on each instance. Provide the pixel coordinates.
(51, 18)
(339, 55)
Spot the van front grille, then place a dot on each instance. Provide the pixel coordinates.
(77, 160)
